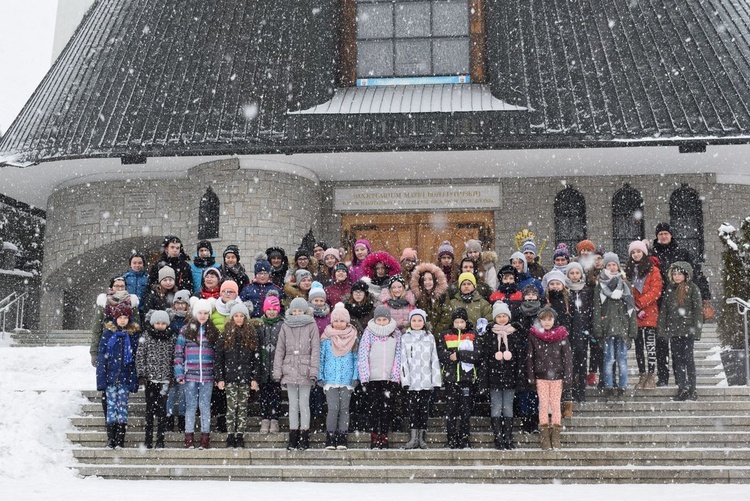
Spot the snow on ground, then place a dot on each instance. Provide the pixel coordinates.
(40, 390)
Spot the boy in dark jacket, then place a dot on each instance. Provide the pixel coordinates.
(154, 361)
(270, 391)
(460, 353)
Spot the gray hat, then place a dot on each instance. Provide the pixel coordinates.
(382, 311)
(166, 272)
(610, 257)
(500, 308)
(316, 291)
(300, 274)
(159, 316)
(239, 308)
(182, 295)
(298, 303)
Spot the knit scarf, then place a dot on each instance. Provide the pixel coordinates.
(127, 348)
(381, 330)
(502, 332)
(551, 336)
(574, 286)
(271, 321)
(397, 304)
(299, 320)
(507, 288)
(320, 311)
(614, 287)
(638, 282)
(342, 341)
(530, 308)
(204, 262)
(224, 308)
(467, 298)
(360, 310)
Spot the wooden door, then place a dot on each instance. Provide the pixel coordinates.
(421, 231)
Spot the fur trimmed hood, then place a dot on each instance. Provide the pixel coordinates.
(131, 328)
(441, 283)
(390, 262)
(489, 257)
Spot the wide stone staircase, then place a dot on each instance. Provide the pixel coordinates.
(37, 338)
(645, 438)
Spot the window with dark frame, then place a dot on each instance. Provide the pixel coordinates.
(627, 220)
(570, 217)
(208, 215)
(686, 219)
(438, 40)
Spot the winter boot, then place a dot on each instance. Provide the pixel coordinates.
(239, 441)
(181, 424)
(507, 426)
(274, 426)
(650, 383)
(374, 440)
(265, 425)
(160, 427)
(120, 435)
(342, 440)
(205, 441)
(383, 438)
(422, 439)
(497, 432)
(221, 424)
(330, 441)
(413, 442)
(452, 435)
(231, 443)
(545, 438)
(680, 396)
(190, 440)
(642, 378)
(692, 395)
(293, 440)
(148, 441)
(304, 440)
(111, 436)
(555, 437)
(567, 410)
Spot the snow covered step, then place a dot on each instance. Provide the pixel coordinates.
(405, 474)
(429, 457)
(52, 338)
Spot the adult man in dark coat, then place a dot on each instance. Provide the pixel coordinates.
(173, 256)
(668, 251)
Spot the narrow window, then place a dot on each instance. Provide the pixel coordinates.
(208, 215)
(627, 220)
(570, 217)
(686, 218)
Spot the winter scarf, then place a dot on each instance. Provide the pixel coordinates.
(205, 293)
(614, 287)
(575, 286)
(530, 308)
(397, 304)
(127, 348)
(271, 321)
(382, 330)
(224, 308)
(320, 311)
(507, 288)
(553, 335)
(638, 282)
(502, 332)
(342, 341)
(299, 320)
(360, 310)
(204, 262)
(467, 298)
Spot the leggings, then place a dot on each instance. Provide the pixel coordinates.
(380, 409)
(419, 408)
(270, 400)
(338, 409)
(299, 406)
(646, 339)
(501, 402)
(549, 392)
(238, 395)
(117, 404)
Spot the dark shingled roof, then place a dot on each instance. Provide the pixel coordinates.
(189, 77)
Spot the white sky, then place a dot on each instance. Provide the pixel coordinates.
(27, 29)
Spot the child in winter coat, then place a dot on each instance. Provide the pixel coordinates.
(268, 329)
(232, 269)
(420, 373)
(399, 300)
(161, 295)
(503, 366)
(581, 310)
(470, 300)
(320, 309)
(338, 374)
(557, 297)
(204, 258)
(237, 370)
(379, 367)
(526, 402)
(261, 286)
(116, 371)
(340, 286)
(614, 322)
(429, 286)
(379, 268)
(549, 365)
(154, 360)
(360, 304)
(295, 366)
(194, 369)
(507, 289)
(460, 354)
(177, 315)
(362, 249)
(645, 277)
(681, 321)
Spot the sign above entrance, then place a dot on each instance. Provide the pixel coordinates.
(372, 198)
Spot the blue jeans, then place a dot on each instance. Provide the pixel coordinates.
(501, 403)
(176, 394)
(615, 348)
(198, 395)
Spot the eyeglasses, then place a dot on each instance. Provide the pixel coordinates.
(228, 291)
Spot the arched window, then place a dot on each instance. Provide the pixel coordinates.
(208, 215)
(627, 220)
(570, 217)
(686, 218)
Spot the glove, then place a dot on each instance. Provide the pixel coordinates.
(94, 359)
(321, 383)
(481, 325)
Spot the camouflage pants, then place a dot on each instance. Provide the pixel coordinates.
(238, 395)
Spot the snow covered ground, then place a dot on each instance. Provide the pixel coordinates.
(40, 390)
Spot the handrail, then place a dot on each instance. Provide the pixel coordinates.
(742, 308)
(8, 302)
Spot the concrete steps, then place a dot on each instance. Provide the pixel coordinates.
(34, 339)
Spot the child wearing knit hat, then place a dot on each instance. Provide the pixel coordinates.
(270, 390)
(236, 371)
(468, 298)
(399, 300)
(580, 299)
(379, 367)
(321, 310)
(420, 373)
(154, 361)
(339, 374)
(447, 262)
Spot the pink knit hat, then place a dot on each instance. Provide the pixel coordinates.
(332, 252)
(230, 285)
(271, 303)
(408, 253)
(638, 244)
(339, 312)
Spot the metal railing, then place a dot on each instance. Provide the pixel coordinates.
(12, 303)
(742, 308)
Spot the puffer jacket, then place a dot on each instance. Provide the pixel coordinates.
(256, 293)
(268, 336)
(112, 367)
(477, 308)
(236, 363)
(380, 353)
(548, 355)
(504, 374)
(681, 320)
(155, 356)
(611, 318)
(297, 356)
(420, 364)
(647, 301)
(400, 315)
(137, 283)
(435, 303)
(467, 347)
(341, 370)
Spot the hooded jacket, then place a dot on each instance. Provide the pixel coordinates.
(467, 347)
(420, 364)
(436, 302)
(548, 355)
(115, 363)
(681, 320)
(297, 357)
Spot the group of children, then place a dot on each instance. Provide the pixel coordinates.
(397, 334)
